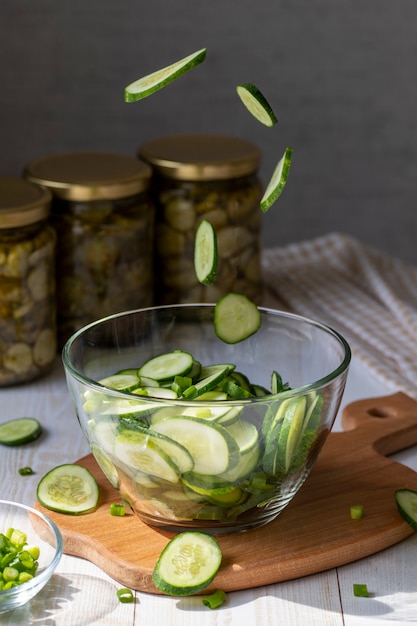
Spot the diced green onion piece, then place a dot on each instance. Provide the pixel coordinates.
(26, 471)
(356, 511)
(360, 591)
(118, 510)
(125, 595)
(215, 600)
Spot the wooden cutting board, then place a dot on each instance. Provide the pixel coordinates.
(314, 533)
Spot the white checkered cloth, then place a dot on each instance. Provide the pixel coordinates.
(369, 297)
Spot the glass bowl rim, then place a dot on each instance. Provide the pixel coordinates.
(296, 391)
(41, 578)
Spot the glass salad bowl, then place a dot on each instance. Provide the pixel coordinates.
(30, 549)
(197, 433)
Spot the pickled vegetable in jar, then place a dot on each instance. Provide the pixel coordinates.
(28, 343)
(205, 177)
(104, 219)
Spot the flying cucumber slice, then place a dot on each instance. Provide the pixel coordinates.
(278, 180)
(188, 564)
(205, 253)
(236, 318)
(212, 448)
(150, 83)
(257, 104)
(19, 431)
(68, 488)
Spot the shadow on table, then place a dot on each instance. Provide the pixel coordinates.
(61, 602)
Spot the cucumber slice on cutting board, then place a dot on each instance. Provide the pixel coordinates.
(68, 488)
(188, 564)
(406, 500)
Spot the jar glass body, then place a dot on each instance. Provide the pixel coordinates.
(105, 258)
(27, 302)
(232, 207)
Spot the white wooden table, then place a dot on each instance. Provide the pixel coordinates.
(80, 594)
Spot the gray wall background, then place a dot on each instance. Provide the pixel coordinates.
(341, 75)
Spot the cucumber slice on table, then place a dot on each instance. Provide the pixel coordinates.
(188, 564)
(236, 318)
(205, 253)
(277, 182)
(257, 104)
(150, 83)
(406, 500)
(20, 430)
(68, 488)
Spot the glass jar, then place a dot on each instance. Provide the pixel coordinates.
(104, 219)
(207, 177)
(28, 342)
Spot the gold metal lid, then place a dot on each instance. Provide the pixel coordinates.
(86, 176)
(22, 202)
(201, 157)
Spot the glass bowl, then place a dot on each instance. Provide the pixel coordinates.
(249, 455)
(41, 532)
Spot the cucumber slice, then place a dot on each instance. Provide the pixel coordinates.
(257, 104)
(278, 180)
(150, 83)
(20, 430)
(121, 382)
(68, 488)
(211, 376)
(167, 365)
(292, 429)
(205, 253)
(236, 318)
(106, 465)
(177, 453)
(188, 564)
(141, 452)
(406, 500)
(245, 434)
(212, 448)
(156, 392)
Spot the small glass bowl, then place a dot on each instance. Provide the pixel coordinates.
(40, 531)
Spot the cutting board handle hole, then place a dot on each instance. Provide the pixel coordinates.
(378, 412)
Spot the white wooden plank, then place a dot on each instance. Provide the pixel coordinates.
(391, 579)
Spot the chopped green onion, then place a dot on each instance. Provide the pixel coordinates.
(214, 600)
(26, 471)
(360, 591)
(118, 510)
(125, 595)
(18, 560)
(356, 511)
